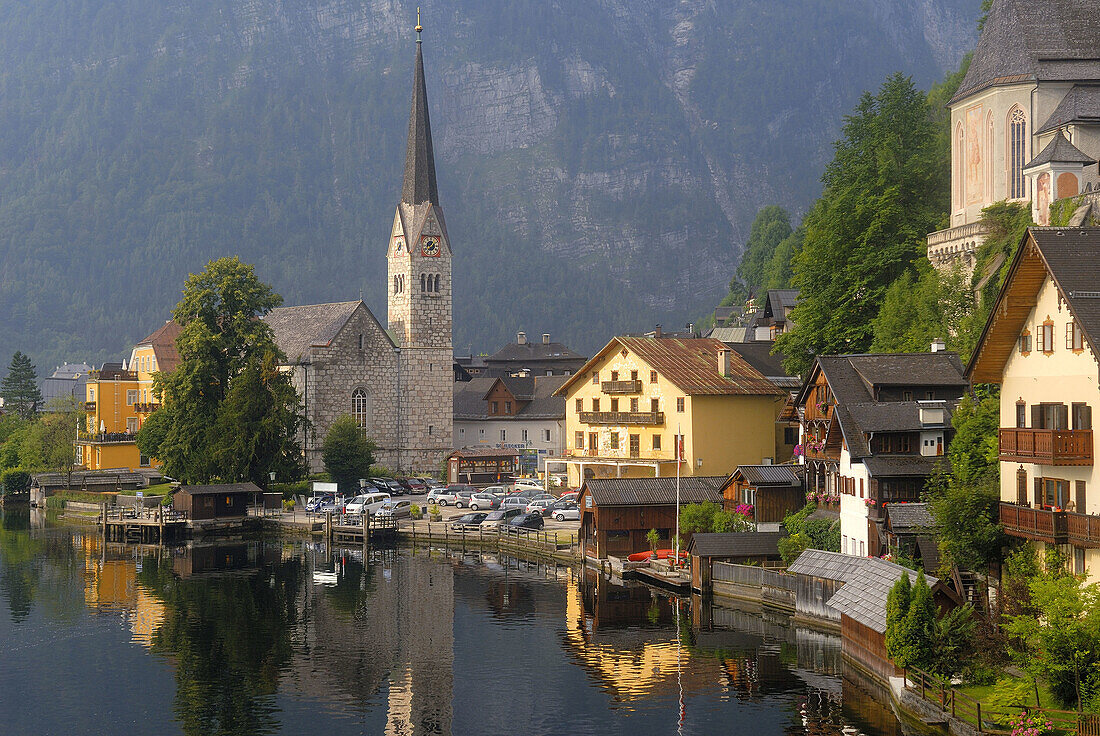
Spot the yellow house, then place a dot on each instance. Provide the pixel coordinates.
(118, 398)
(1039, 345)
(626, 408)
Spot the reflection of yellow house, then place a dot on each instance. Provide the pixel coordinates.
(111, 585)
(119, 397)
(627, 406)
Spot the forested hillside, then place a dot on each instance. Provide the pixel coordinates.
(600, 162)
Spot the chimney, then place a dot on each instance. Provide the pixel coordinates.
(723, 361)
(546, 338)
(657, 332)
(521, 338)
(938, 345)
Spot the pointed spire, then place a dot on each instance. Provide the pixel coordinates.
(419, 186)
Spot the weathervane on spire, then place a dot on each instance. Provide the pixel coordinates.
(419, 27)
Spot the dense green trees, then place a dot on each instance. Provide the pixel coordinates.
(915, 637)
(227, 411)
(701, 518)
(347, 453)
(885, 190)
(19, 388)
(770, 228)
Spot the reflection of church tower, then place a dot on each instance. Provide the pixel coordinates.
(419, 288)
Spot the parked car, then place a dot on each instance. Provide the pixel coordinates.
(331, 503)
(571, 512)
(395, 509)
(515, 501)
(484, 500)
(379, 483)
(527, 521)
(529, 493)
(469, 520)
(541, 506)
(498, 491)
(314, 503)
(404, 483)
(462, 498)
(569, 496)
(521, 483)
(500, 516)
(366, 503)
(395, 488)
(417, 485)
(558, 480)
(561, 503)
(442, 496)
(431, 483)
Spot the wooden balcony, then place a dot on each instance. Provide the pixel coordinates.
(1083, 529)
(89, 406)
(623, 417)
(621, 387)
(146, 407)
(1047, 446)
(1040, 525)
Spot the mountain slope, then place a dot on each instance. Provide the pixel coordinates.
(600, 162)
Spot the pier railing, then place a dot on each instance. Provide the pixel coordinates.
(158, 513)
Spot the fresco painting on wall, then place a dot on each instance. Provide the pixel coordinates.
(1042, 199)
(974, 176)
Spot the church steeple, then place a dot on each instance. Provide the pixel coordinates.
(419, 186)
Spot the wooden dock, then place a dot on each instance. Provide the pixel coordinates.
(158, 525)
(361, 529)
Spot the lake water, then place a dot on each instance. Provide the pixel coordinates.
(289, 636)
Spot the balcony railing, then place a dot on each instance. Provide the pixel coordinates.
(1083, 529)
(1038, 524)
(146, 408)
(621, 387)
(623, 417)
(1047, 446)
(105, 437)
(89, 406)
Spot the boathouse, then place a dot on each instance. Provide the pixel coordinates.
(853, 591)
(222, 501)
(743, 548)
(772, 490)
(617, 513)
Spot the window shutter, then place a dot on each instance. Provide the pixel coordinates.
(1080, 500)
(1062, 422)
(1021, 487)
(1038, 492)
(1069, 336)
(1036, 416)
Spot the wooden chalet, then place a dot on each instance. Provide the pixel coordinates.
(910, 530)
(221, 501)
(853, 590)
(772, 490)
(617, 513)
(482, 465)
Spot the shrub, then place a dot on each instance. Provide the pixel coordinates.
(288, 504)
(653, 538)
(16, 481)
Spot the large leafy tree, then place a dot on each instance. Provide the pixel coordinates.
(19, 388)
(346, 452)
(222, 342)
(770, 228)
(885, 190)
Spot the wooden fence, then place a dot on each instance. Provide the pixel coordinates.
(989, 718)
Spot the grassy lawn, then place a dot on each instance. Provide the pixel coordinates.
(986, 694)
(161, 489)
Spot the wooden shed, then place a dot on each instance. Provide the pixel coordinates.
(482, 466)
(222, 501)
(772, 490)
(617, 513)
(744, 548)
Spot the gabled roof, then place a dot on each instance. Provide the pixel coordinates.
(1071, 257)
(867, 582)
(759, 356)
(689, 363)
(735, 544)
(897, 416)
(1080, 106)
(778, 300)
(163, 342)
(901, 466)
(296, 329)
(909, 516)
(1059, 151)
(514, 352)
(221, 488)
(728, 334)
(653, 491)
(419, 186)
(769, 475)
(540, 402)
(1025, 40)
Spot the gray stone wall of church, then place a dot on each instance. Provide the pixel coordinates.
(427, 408)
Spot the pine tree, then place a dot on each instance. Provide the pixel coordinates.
(897, 607)
(919, 630)
(19, 388)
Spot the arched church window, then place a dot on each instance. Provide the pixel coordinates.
(396, 284)
(423, 279)
(437, 283)
(360, 408)
(1017, 151)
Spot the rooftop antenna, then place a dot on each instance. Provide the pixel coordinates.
(419, 27)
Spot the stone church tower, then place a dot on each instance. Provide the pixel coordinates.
(419, 289)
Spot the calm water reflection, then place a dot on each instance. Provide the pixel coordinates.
(288, 636)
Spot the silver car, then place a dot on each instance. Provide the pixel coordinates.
(572, 513)
(484, 501)
(395, 509)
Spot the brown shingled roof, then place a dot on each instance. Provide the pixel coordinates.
(163, 341)
(691, 364)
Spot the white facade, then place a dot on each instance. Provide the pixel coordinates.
(546, 436)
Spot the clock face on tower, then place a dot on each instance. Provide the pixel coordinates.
(399, 247)
(430, 246)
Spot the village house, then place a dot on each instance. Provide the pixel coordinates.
(873, 428)
(1025, 121)
(119, 398)
(526, 358)
(773, 491)
(617, 513)
(1039, 345)
(634, 402)
(521, 413)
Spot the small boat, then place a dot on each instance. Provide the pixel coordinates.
(661, 554)
(639, 557)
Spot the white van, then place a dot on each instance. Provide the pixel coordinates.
(367, 503)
